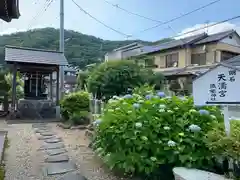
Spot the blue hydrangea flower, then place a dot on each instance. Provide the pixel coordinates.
(149, 96)
(97, 122)
(194, 128)
(203, 112)
(161, 94)
(128, 96)
(136, 105)
(171, 143)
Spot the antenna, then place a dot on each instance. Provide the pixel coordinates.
(206, 26)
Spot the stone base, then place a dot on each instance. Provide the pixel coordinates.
(36, 109)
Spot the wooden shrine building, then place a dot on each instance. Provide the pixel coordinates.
(34, 66)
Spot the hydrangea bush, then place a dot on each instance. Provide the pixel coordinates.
(138, 133)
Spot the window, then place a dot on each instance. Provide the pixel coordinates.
(225, 55)
(199, 59)
(172, 60)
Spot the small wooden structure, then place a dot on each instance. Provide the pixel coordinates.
(9, 9)
(34, 65)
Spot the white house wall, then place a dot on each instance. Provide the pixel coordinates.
(235, 41)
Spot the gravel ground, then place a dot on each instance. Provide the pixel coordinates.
(24, 162)
(88, 164)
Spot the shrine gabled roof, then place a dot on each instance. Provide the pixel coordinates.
(36, 56)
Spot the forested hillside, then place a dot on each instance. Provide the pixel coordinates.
(80, 49)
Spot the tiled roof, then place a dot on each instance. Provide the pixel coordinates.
(28, 55)
(173, 44)
(197, 39)
(235, 61)
(215, 37)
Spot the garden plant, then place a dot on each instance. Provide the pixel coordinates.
(146, 133)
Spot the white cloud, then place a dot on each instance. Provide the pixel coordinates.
(210, 30)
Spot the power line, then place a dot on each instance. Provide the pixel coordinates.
(107, 26)
(132, 13)
(41, 10)
(208, 26)
(181, 16)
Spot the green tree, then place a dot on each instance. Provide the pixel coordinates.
(116, 77)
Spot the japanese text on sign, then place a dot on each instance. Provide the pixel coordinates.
(220, 89)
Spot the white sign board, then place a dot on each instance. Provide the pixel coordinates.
(218, 86)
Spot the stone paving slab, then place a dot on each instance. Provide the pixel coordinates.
(57, 158)
(53, 152)
(42, 131)
(53, 140)
(39, 125)
(47, 134)
(52, 146)
(59, 168)
(46, 137)
(72, 176)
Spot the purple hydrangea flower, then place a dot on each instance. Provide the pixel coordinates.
(149, 96)
(203, 112)
(161, 94)
(128, 96)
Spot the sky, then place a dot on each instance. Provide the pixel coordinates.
(160, 10)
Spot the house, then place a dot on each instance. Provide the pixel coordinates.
(199, 50)
(124, 52)
(182, 59)
(9, 9)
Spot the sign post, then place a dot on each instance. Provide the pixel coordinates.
(226, 120)
(218, 86)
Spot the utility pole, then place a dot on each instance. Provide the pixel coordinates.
(60, 77)
(61, 47)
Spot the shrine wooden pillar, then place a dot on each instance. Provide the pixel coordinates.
(14, 85)
(51, 87)
(57, 87)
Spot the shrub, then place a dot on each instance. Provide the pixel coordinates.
(80, 118)
(74, 103)
(223, 145)
(226, 147)
(138, 134)
(116, 77)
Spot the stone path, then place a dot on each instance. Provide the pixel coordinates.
(30, 158)
(57, 160)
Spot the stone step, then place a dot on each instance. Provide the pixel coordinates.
(73, 176)
(46, 137)
(57, 158)
(58, 168)
(54, 152)
(47, 134)
(52, 146)
(53, 140)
